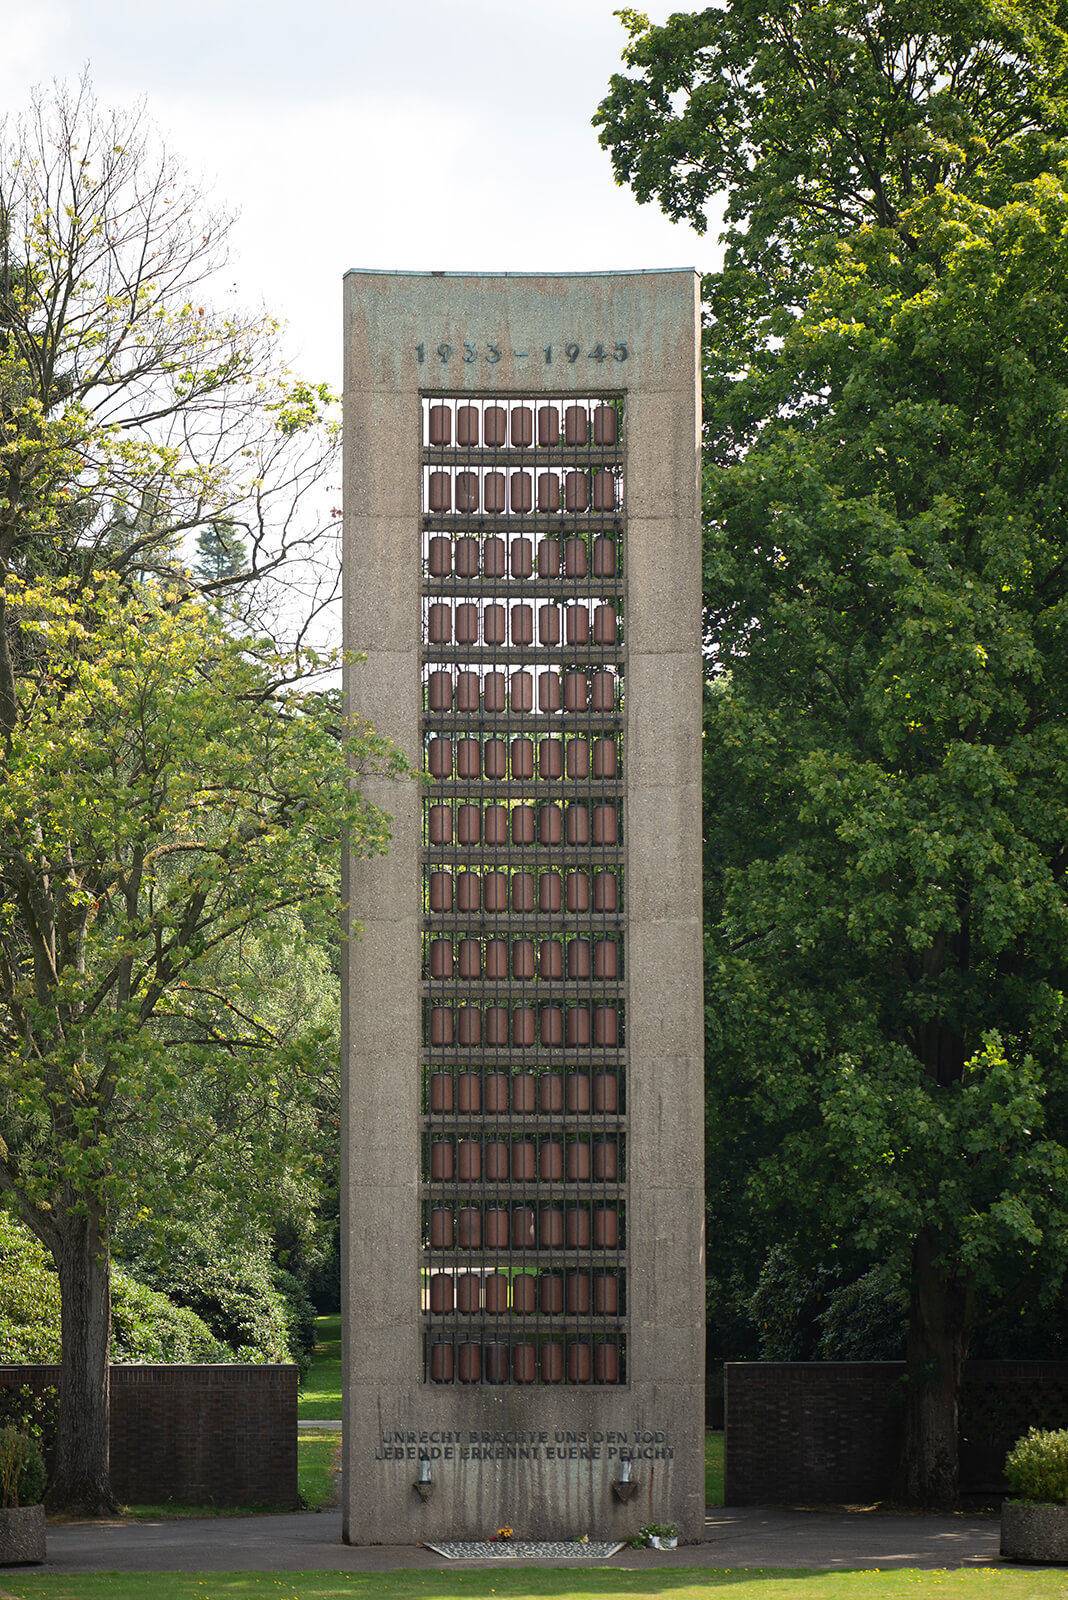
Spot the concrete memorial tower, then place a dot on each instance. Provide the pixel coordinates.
(523, 1269)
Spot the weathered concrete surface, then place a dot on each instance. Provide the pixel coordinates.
(565, 1486)
(1034, 1533)
(22, 1536)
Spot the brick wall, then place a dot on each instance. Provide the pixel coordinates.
(200, 1435)
(830, 1431)
(808, 1432)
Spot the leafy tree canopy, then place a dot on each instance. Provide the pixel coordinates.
(886, 740)
(888, 584)
(161, 791)
(815, 121)
(170, 785)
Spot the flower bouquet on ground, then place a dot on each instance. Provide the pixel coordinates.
(656, 1536)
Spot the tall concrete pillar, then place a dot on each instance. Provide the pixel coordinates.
(522, 1257)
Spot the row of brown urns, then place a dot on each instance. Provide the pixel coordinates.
(498, 428)
(547, 891)
(523, 1026)
(547, 1160)
(521, 1228)
(570, 691)
(465, 959)
(491, 1362)
(550, 824)
(517, 761)
(522, 1093)
(467, 557)
(515, 824)
(576, 628)
(496, 824)
(494, 492)
(577, 1293)
(469, 757)
(493, 626)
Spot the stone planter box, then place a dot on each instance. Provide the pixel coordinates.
(22, 1535)
(1036, 1533)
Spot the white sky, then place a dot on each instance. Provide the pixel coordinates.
(419, 134)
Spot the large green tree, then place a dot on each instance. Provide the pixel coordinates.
(886, 566)
(167, 787)
(160, 793)
(807, 122)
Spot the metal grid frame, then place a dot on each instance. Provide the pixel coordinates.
(524, 1126)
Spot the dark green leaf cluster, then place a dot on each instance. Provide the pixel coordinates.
(22, 1469)
(886, 583)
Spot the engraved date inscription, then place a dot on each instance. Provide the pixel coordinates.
(492, 351)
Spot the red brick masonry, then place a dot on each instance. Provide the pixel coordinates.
(200, 1435)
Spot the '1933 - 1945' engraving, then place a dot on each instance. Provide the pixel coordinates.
(493, 351)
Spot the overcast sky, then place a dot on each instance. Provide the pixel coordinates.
(362, 133)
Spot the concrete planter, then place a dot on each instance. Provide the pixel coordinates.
(1037, 1533)
(22, 1535)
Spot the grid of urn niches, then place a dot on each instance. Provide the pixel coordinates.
(524, 1142)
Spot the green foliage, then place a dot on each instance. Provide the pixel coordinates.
(653, 1530)
(817, 122)
(22, 1469)
(1037, 1467)
(32, 1411)
(149, 1326)
(886, 733)
(259, 1313)
(189, 796)
(889, 689)
(166, 789)
(29, 1298)
(146, 1325)
(221, 554)
(172, 782)
(815, 1313)
(865, 1319)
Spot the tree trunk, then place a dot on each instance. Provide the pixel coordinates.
(939, 1317)
(81, 1481)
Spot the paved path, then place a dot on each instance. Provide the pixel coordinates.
(751, 1536)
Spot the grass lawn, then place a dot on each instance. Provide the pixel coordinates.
(321, 1394)
(317, 1460)
(529, 1583)
(713, 1469)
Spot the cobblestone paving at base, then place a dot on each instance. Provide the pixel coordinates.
(525, 1550)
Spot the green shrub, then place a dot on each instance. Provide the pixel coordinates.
(300, 1317)
(147, 1326)
(231, 1290)
(29, 1297)
(22, 1469)
(1037, 1467)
